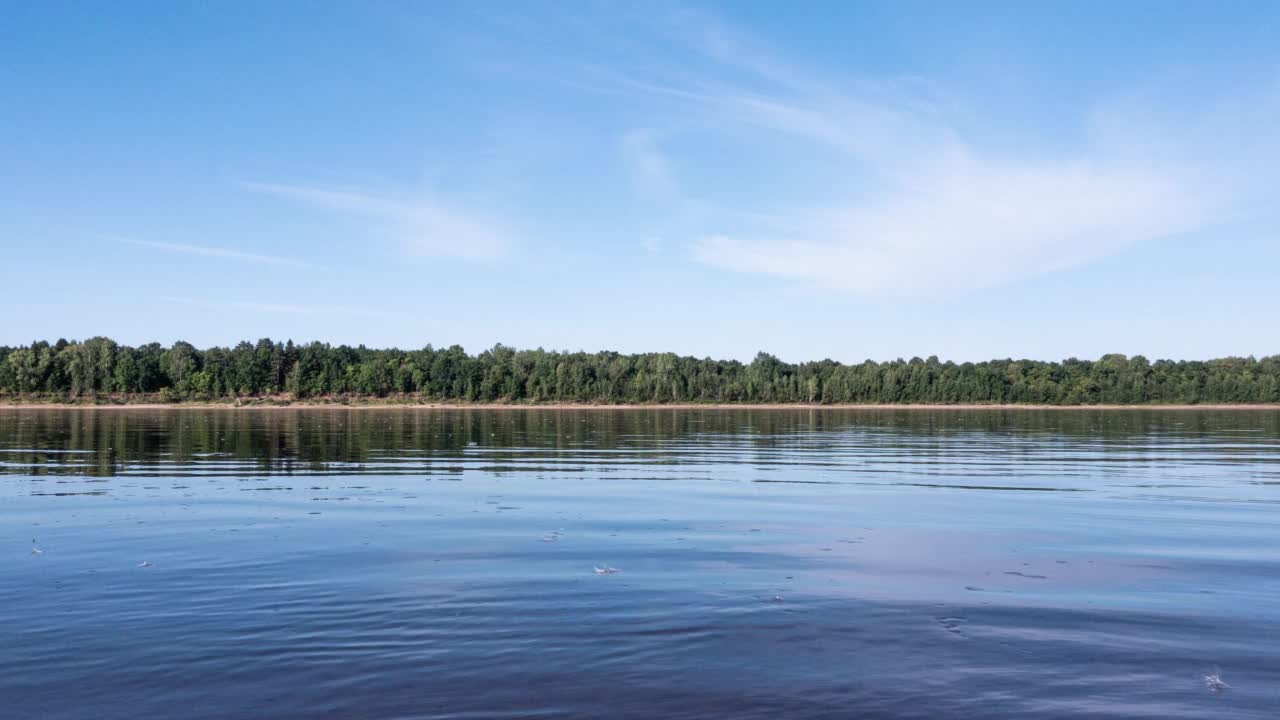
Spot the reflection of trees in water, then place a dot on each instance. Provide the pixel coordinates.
(100, 442)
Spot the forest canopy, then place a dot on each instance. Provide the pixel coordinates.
(100, 369)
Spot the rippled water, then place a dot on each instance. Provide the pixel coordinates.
(802, 564)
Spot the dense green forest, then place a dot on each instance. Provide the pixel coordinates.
(101, 370)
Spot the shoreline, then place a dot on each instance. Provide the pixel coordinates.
(333, 405)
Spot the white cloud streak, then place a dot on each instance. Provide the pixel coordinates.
(217, 252)
(921, 210)
(423, 224)
(262, 307)
(969, 224)
(650, 168)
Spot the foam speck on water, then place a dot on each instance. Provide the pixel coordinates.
(1214, 681)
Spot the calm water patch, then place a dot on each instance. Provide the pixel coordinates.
(639, 563)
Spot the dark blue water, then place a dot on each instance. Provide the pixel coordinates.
(800, 564)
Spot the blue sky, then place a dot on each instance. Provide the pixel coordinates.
(843, 180)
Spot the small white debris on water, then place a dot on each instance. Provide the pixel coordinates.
(145, 563)
(1215, 682)
(35, 550)
(606, 570)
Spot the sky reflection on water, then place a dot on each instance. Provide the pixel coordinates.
(840, 563)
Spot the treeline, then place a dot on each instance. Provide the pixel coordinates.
(99, 367)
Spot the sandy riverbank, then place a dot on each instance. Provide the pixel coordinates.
(375, 405)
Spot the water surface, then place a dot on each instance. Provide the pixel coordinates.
(769, 563)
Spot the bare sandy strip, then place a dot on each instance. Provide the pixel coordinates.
(374, 405)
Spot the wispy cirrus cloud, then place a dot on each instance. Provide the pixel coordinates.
(650, 168)
(929, 213)
(977, 225)
(421, 222)
(267, 307)
(218, 252)
(906, 202)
